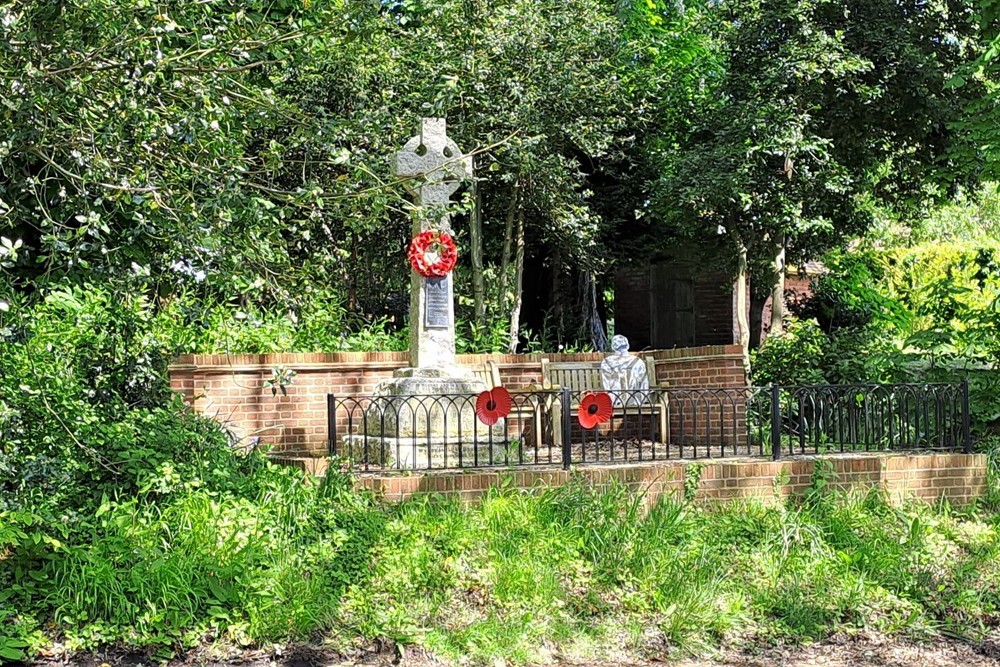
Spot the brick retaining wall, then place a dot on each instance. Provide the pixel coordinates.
(960, 478)
(231, 387)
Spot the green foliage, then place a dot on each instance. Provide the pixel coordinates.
(971, 218)
(925, 313)
(472, 337)
(234, 157)
(795, 357)
(692, 479)
(851, 294)
(239, 153)
(952, 291)
(86, 409)
(762, 160)
(189, 324)
(133, 144)
(982, 147)
(206, 177)
(805, 354)
(268, 564)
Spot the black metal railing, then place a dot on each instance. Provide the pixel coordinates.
(441, 432)
(820, 419)
(543, 428)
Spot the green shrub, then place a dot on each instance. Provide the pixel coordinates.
(86, 409)
(852, 295)
(927, 313)
(192, 324)
(794, 357)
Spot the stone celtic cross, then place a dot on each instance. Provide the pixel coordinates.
(434, 169)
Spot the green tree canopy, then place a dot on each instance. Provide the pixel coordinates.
(818, 112)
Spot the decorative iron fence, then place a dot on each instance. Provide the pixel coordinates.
(820, 419)
(563, 427)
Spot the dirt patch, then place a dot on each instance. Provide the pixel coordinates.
(837, 652)
(284, 656)
(876, 652)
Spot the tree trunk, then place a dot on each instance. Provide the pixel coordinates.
(778, 290)
(593, 325)
(757, 302)
(515, 311)
(742, 333)
(553, 328)
(476, 254)
(508, 240)
(349, 276)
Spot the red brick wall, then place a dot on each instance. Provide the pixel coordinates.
(713, 312)
(706, 366)
(701, 418)
(231, 387)
(960, 478)
(797, 289)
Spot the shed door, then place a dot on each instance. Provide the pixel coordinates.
(673, 310)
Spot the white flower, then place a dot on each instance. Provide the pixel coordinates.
(4, 306)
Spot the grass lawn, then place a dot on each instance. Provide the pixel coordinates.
(524, 577)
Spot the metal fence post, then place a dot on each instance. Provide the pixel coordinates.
(966, 418)
(331, 425)
(775, 423)
(567, 430)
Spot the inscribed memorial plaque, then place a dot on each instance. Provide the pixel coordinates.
(437, 304)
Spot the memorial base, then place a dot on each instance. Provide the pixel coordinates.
(427, 403)
(408, 453)
(458, 375)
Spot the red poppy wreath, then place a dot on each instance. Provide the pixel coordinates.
(432, 254)
(594, 409)
(493, 405)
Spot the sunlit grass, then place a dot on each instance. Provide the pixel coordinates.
(522, 576)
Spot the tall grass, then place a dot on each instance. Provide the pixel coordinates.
(580, 569)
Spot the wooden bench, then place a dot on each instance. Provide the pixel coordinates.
(585, 376)
(524, 407)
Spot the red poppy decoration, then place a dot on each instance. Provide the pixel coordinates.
(493, 405)
(594, 409)
(432, 254)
